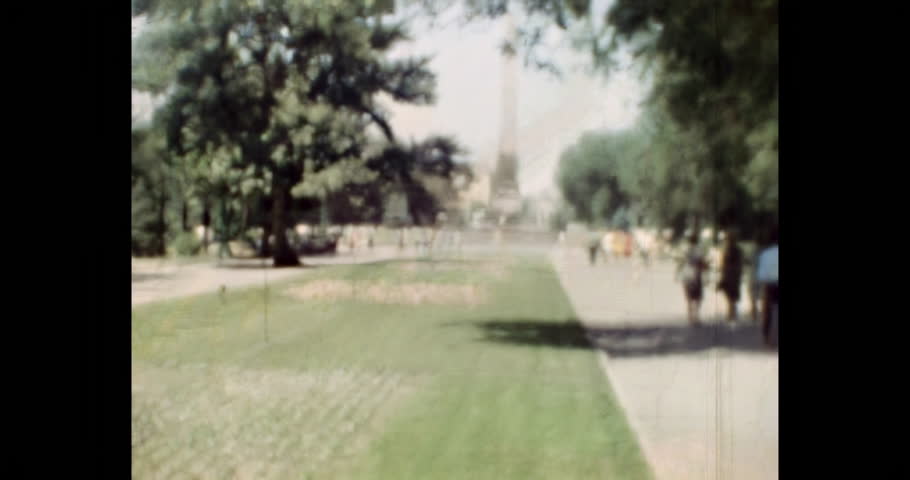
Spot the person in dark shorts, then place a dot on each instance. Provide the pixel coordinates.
(690, 272)
(769, 306)
(754, 287)
(731, 272)
(593, 246)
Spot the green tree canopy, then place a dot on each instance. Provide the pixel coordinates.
(714, 70)
(275, 89)
(602, 174)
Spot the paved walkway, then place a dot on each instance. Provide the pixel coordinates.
(703, 400)
(163, 279)
(156, 279)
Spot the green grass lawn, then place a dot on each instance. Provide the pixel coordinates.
(348, 386)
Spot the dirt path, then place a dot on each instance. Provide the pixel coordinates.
(154, 280)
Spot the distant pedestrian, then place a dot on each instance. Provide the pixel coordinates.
(644, 245)
(606, 245)
(755, 292)
(618, 244)
(690, 271)
(593, 246)
(422, 241)
(352, 239)
(731, 270)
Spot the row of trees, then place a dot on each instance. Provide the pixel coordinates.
(651, 175)
(268, 102)
(266, 117)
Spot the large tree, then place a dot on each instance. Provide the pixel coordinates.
(424, 174)
(254, 82)
(600, 176)
(150, 193)
(652, 174)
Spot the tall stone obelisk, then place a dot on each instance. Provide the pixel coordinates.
(505, 198)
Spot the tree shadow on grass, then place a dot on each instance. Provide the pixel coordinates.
(260, 266)
(634, 339)
(256, 263)
(307, 262)
(144, 277)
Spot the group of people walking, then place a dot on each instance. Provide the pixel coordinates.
(730, 262)
(762, 279)
(620, 244)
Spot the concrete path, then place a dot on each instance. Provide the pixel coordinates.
(155, 279)
(703, 401)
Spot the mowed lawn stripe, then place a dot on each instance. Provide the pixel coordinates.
(500, 410)
(499, 388)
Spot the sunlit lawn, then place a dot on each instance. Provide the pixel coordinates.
(355, 385)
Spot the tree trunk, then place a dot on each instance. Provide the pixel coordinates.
(162, 226)
(696, 224)
(224, 236)
(323, 215)
(185, 216)
(265, 250)
(206, 221)
(283, 256)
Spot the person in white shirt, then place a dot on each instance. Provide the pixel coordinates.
(645, 245)
(767, 277)
(606, 245)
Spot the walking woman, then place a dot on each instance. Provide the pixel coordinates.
(690, 271)
(593, 246)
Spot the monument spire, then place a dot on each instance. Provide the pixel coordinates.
(504, 194)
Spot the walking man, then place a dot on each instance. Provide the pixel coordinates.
(731, 270)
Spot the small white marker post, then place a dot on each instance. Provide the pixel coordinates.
(265, 297)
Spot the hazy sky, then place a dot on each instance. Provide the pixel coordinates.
(552, 113)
